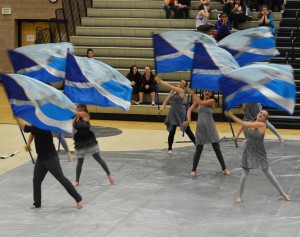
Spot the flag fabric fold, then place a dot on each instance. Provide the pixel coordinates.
(89, 81)
(174, 50)
(209, 65)
(38, 103)
(269, 84)
(250, 45)
(43, 62)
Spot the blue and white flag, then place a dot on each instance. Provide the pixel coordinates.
(251, 45)
(174, 50)
(43, 62)
(89, 81)
(209, 65)
(269, 84)
(38, 103)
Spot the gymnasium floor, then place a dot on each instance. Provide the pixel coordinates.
(153, 194)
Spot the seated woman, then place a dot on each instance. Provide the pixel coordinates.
(147, 86)
(184, 6)
(223, 27)
(134, 76)
(202, 17)
(265, 18)
(238, 14)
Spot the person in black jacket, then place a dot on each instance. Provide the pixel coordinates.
(47, 160)
(184, 6)
(134, 76)
(238, 14)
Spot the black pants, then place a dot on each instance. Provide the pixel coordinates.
(236, 18)
(52, 165)
(198, 152)
(188, 131)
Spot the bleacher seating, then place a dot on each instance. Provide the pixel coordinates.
(119, 31)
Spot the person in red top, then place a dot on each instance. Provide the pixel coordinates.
(169, 5)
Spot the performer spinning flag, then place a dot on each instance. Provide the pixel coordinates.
(44, 62)
(89, 81)
(39, 104)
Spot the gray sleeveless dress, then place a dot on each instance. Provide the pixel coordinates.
(206, 131)
(176, 113)
(255, 156)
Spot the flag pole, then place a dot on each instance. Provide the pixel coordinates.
(58, 146)
(33, 162)
(155, 64)
(186, 110)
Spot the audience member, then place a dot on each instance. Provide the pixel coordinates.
(134, 76)
(274, 3)
(222, 26)
(169, 5)
(89, 53)
(147, 86)
(202, 17)
(184, 6)
(238, 14)
(265, 18)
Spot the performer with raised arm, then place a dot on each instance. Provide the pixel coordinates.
(206, 131)
(176, 113)
(255, 156)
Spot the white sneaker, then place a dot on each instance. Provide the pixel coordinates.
(170, 152)
(153, 103)
(139, 102)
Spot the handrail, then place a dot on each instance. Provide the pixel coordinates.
(292, 43)
(297, 20)
(287, 57)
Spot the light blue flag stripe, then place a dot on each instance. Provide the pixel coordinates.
(39, 104)
(257, 43)
(269, 84)
(43, 62)
(89, 81)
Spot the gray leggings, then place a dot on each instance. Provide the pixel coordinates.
(268, 174)
(62, 140)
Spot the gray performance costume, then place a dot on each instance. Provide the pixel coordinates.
(176, 113)
(206, 131)
(255, 157)
(252, 110)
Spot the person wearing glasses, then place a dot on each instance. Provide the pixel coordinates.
(206, 131)
(176, 113)
(86, 143)
(254, 155)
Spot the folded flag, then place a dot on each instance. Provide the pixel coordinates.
(209, 65)
(250, 45)
(38, 103)
(174, 50)
(43, 62)
(89, 81)
(269, 84)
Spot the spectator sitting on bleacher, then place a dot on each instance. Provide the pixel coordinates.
(265, 18)
(202, 17)
(89, 53)
(134, 76)
(168, 6)
(228, 4)
(259, 3)
(222, 26)
(147, 86)
(238, 14)
(184, 6)
(274, 3)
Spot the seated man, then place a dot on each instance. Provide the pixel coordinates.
(147, 86)
(168, 6)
